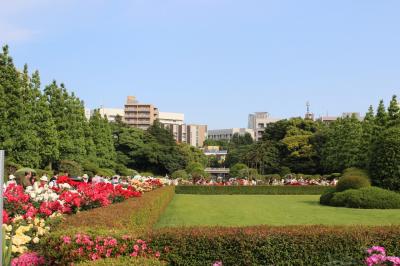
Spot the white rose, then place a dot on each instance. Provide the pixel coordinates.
(36, 240)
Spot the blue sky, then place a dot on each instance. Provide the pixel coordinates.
(214, 60)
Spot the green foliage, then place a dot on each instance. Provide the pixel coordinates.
(343, 147)
(90, 168)
(235, 169)
(134, 216)
(385, 164)
(123, 261)
(250, 190)
(105, 172)
(102, 139)
(125, 171)
(248, 173)
(284, 171)
(366, 198)
(71, 167)
(353, 178)
(265, 245)
(182, 174)
(327, 196)
(6, 249)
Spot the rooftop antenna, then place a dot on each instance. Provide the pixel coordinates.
(308, 107)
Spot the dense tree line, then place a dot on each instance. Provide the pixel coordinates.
(47, 129)
(312, 147)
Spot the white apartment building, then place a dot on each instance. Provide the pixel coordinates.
(174, 122)
(258, 122)
(226, 134)
(88, 113)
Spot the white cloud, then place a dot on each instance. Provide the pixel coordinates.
(10, 33)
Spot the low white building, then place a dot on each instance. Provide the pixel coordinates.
(110, 113)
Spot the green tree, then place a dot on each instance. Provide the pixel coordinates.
(381, 115)
(235, 169)
(103, 140)
(385, 161)
(394, 110)
(44, 126)
(343, 146)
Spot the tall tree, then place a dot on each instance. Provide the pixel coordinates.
(381, 115)
(44, 126)
(394, 110)
(102, 139)
(343, 146)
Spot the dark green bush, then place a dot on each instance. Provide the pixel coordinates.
(263, 245)
(251, 190)
(41, 172)
(90, 168)
(353, 178)
(71, 167)
(325, 198)
(180, 174)
(125, 171)
(367, 198)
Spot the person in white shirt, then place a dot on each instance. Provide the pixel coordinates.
(11, 180)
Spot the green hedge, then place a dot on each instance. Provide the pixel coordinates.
(366, 198)
(133, 216)
(251, 190)
(123, 261)
(300, 245)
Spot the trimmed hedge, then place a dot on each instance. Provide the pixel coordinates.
(300, 245)
(251, 190)
(133, 216)
(352, 181)
(366, 198)
(123, 261)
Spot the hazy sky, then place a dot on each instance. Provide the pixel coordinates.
(214, 60)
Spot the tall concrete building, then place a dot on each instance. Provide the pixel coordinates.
(258, 122)
(139, 115)
(174, 122)
(226, 134)
(110, 113)
(196, 135)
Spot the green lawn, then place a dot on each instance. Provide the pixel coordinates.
(246, 210)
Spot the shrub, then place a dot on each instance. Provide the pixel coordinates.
(285, 171)
(11, 167)
(90, 168)
(353, 179)
(105, 172)
(71, 167)
(385, 160)
(41, 172)
(248, 173)
(147, 174)
(367, 198)
(250, 190)
(123, 261)
(125, 171)
(180, 174)
(325, 198)
(264, 245)
(235, 169)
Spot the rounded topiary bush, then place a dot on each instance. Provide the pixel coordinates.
(325, 198)
(353, 178)
(366, 198)
(71, 167)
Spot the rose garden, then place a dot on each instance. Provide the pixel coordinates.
(92, 192)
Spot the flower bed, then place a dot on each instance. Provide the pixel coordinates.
(251, 190)
(28, 214)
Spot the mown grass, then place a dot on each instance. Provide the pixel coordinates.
(249, 210)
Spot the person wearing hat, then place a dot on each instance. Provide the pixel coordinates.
(41, 183)
(11, 180)
(85, 178)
